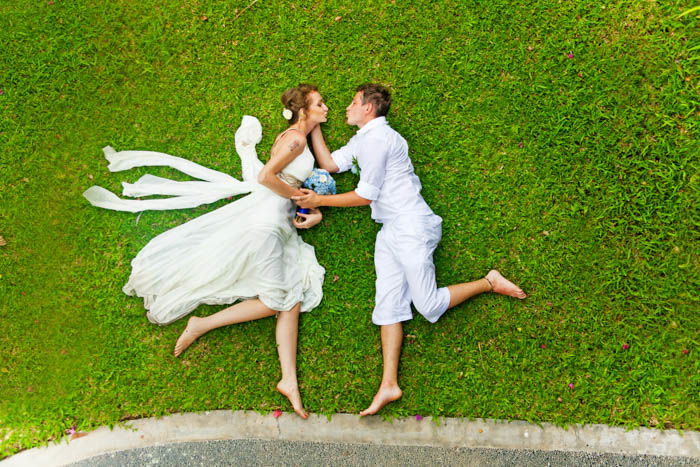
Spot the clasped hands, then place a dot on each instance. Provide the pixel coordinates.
(308, 200)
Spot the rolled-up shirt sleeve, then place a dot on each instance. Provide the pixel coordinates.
(372, 161)
(343, 156)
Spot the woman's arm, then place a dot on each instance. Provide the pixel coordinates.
(321, 151)
(284, 151)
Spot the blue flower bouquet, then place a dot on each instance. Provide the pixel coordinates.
(321, 182)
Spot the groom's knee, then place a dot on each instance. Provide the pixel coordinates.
(433, 304)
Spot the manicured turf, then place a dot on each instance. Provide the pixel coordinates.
(556, 139)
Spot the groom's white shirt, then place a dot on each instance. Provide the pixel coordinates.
(386, 173)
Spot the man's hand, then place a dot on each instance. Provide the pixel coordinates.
(307, 220)
(308, 200)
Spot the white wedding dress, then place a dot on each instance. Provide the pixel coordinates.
(246, 249)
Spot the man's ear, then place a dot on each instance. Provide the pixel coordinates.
(370, 108)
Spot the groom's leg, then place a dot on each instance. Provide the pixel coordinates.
(417, 260)
(418, 241)
(432, 302)
(389, 390)
(392, 300)
(392, 306)
(493, 282)
(462, 292)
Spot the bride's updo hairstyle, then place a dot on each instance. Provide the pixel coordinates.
(296, 99)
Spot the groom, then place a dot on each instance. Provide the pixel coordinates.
(410, 232)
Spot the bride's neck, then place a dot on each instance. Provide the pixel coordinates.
(302, 126)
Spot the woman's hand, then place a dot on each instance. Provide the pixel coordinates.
(307, 220)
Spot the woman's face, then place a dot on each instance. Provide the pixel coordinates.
(317, 112)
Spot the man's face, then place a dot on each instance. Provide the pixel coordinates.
(356, 112)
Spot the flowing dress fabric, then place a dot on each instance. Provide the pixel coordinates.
(246, 249)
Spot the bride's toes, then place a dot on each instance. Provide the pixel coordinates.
(291, 392)
(189, 335)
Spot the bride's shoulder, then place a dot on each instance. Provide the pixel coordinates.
(292, 136)
(290, 141)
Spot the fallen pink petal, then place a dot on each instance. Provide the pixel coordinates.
(571, 385)
(277, 413)
(419, 417)
(685, 351)
(625, 346)
(570, 55)
(542, 346)
(71, 430)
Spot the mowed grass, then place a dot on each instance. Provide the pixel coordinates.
(556, 140)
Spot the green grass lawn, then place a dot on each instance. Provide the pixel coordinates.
(557, 140)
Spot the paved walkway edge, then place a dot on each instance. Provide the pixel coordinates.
(344, 428)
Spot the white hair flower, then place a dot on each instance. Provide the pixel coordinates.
(287, 114)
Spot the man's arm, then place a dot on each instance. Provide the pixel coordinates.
(344, 200)
(321, 151)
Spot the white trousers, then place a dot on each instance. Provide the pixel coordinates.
(403, 260)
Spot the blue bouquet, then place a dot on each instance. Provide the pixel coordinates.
(321, 182)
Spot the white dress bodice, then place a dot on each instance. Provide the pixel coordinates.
(300, 168)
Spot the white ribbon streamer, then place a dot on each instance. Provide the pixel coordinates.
(216, 185)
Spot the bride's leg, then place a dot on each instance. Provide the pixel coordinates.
(248, 310)
(286, 333)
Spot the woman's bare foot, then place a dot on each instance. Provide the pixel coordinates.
(385, 395)
(290, 390)
(503, 286)
(193, 330)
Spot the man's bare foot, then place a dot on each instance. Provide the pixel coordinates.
(503, 286)
(385, 395)
(290, 390)
(193, 330)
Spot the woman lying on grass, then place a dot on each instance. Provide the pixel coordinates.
(246, 252)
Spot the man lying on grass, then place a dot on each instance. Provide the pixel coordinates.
(403, 256)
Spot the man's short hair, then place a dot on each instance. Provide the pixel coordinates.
(378, 95)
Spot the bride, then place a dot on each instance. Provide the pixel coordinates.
(246, 252)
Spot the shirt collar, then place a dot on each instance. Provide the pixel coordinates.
(379, 121)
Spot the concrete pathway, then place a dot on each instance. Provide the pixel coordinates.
(243, 437)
